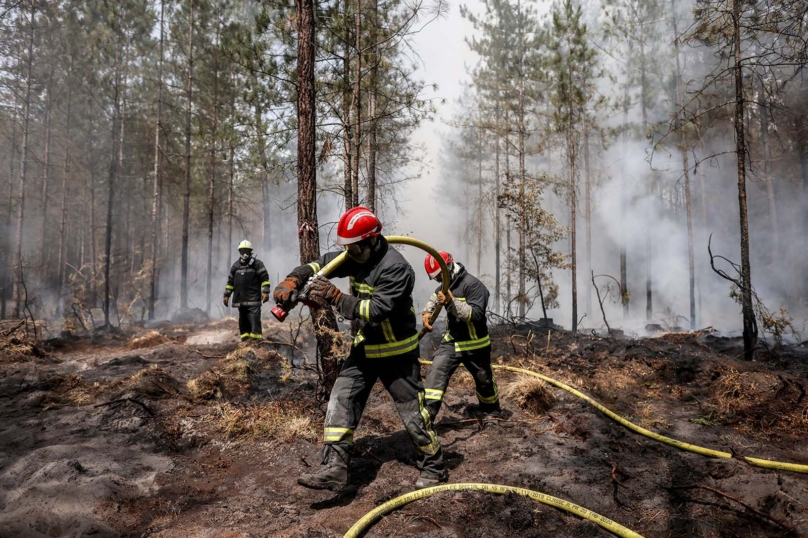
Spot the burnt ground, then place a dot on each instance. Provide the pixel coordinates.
(182, 432)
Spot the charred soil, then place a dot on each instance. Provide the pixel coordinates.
(181, 431)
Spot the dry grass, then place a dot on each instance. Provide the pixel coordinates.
(149, 339)
(17, 349)
(236, 374)
(69, 390)
(531, 394)
(283, 420)
(760, 404)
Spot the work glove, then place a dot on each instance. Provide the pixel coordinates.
(284, 290)
(425, 320)
(445, 299)
(226, 300)
(323, 292)
(264, 296)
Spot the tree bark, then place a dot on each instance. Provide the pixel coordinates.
(113, 166)
(18, 262)
(497, 218)
(347, 128)
(480, 203)
(157, 184)
(323, 318)
(357, 99)
(649, 293)
(686, 169)
(587, 214)
(522, 171)
(44, 260)
(5, 255)
(212, 179)
(186, 201)
(571, 143)
(372, 147)
(749, 325)
(65, 174)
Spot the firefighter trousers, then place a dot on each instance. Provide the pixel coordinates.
(444, 363)
(249, 322)
(401, 376)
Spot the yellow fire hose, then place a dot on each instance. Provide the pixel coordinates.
(389, 506)
(758, 462)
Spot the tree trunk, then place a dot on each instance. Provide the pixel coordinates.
(157, 185)
(186, 198)
(44, 259)
(230, 191)
(587, 215)
(480, 203)
(522, 171)
(212, 180)
(571, 142)
(113, 165)
(5, 255)
(65, 174)
(649, 293)
(686, 169)
(124, 183)
(324, 321)
(624, 296)
(347, 133)
(749, 325)
(17, 290)
(497, 219)
(372, 148)
(357, 99)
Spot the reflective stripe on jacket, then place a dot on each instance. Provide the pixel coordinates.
(380, 300)
(246, 281)
(468, 334)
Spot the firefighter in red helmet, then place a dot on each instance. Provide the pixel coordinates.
(385, 347)
(466, 339)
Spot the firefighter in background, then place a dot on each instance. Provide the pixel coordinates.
(248, 283)
(385, 347)
(465, 341)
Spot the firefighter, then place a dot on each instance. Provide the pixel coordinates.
(385, 347)
(465, 341)
(248, 282)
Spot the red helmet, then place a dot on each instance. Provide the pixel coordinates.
(432, 266)
(356, 224)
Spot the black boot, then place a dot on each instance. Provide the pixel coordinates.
(333, 472)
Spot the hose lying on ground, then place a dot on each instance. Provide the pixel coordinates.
(389, 506)
(757, 462)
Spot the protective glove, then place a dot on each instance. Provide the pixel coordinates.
(264, 296)
(226, 300)
(284, 290)
(445, 299)
(323, 292)
(425, 320)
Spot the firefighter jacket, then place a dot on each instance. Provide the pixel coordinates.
(246, 282)
(380, 300)
(466, 324)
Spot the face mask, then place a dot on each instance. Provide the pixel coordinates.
(360, 252)
(245, 256)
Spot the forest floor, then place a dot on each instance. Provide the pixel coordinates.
(180, 431)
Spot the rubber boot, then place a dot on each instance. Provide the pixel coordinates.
(428, 480)
(333, 472)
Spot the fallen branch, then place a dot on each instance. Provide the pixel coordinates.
(14, 328)
(203, 355)
(124, 400)
(735, 499)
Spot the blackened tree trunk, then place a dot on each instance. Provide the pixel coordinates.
(26, 117)
(65, 174)
(749, 325)
(587, 215)
(686, 170)
(357, 100)
(212, 178)
(186, 197)
(113, 169)
(347, 132)
(324, 320)
(44, 260)
(157, 183)
(497, 218)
